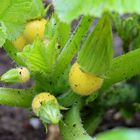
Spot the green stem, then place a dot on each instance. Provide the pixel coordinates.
(12, 52)
(71, 128)
(92, 122)
(123, 67)
(16, 97)
(72, 46)
(69, 98)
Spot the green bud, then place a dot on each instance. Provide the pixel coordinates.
(49, 112)
(16, 75)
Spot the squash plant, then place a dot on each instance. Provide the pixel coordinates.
(72, 68)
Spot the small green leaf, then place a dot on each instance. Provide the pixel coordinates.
(37, 9)
(96, 55)
(35, 57)
(58, 28)
(64, 30)
(49, 112)
(51, 28)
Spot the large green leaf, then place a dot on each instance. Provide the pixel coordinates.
(68, 10)
(96, 55)
(15, 13)
(120, 134)
(37, 9)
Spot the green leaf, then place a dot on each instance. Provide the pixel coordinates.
(51, 54)
(37, 9)
(4, 5)
(68, 99)
(11, 76)
(72, 46)
(64, 31)
(69, 10)
(16, 97)
(60, 29)
(123, 67)
(3, 33)
(15, 13)
(51, 28)
(120, 134)
(12, 52)
(35, 57)
(14, 16)
(96, 55)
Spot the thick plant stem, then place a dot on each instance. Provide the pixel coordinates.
(72, 46)
(16, 97)
(72, 128)
(123, 67)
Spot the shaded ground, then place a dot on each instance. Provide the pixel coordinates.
(113, 118)
(15, 124)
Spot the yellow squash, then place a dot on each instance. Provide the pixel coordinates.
(83, 83)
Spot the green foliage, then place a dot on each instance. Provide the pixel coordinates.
(128, 28)
(120, 134)
(55, 27)
(38, 56)
(96, 55)
(15, 13)
(12, 19)
(37, 9)
(16, 97)
(49, 113)
(123, 69)
(68, 10)
(72, 46)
